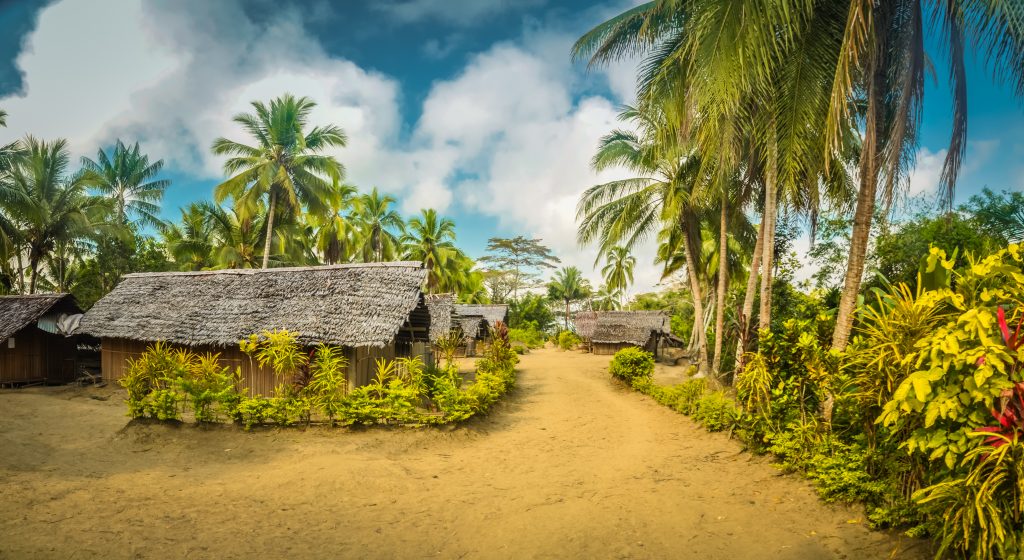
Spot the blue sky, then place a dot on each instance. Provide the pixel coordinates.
(469, 106)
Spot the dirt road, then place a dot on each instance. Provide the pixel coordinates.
(571, 465)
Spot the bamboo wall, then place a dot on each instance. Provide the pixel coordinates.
(257, 380)
(38, 356)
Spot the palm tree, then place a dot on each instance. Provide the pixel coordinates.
(747, 87)
(285, 165)
(431, 239)
(334, 229)
(236, 233)
(568, 286)
(190, 242)
(664, 196)
(47, 206)
(607, 299)
(618, 270)
(128, 178)
(883, 60)
(379, 223)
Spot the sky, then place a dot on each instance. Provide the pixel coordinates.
(472, 107)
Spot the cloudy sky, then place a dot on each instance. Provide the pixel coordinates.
(472, 107)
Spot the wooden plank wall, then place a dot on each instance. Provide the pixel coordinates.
(362, 367)
(38, 356)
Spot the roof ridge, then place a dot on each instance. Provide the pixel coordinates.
(35, 296)
(246, 271)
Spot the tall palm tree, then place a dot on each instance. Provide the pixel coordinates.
(285, 165)
(748, 87)
(431, 239)
(618, 271)
(664, 195)
(237, 233)
(44, 203)
(883, 60)
(380, 225)
(607, 298)
(127, 177)
(568, 286)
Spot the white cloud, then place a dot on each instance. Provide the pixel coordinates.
(507, 137)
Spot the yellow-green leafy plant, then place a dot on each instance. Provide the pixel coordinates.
(280, 350)
(151, 381)
(206, 384)
(328, 384)
(448, 345)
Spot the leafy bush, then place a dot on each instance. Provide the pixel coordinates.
(632, 364)
(568, 340)
(716, 412)
(529, 335)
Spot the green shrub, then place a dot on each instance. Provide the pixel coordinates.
(568, 340)
(717, 412)
(630, 364)
(529, 335)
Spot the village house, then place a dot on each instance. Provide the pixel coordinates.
(372, 311)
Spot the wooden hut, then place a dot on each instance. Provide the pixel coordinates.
(610, 331)
(491, 314)
(37, 342)
(371, 311)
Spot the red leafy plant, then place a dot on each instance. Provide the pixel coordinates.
(1010, 411)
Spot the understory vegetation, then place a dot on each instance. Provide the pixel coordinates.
(920, 418)
(166, 383)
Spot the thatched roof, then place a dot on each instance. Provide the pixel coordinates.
(18, 312)
(440, 308)
(346, 305)
(615, 327)
(470, 325)
(492, 313)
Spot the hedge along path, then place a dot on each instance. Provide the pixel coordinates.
(571, 464)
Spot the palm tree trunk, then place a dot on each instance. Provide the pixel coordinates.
(698, 303)
(34, 266)
(270, 229)
(21, 273)
(723, 248)
(771, 202)
(861, 227)
(748, 300)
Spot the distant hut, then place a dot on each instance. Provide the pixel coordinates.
(37, 342)
(611, 331)
(490, 313)
(477, 320)
(371, 311)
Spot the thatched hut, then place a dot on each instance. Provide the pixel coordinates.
(37, 342)
(490, 313)
(610, 331)
(372, 311)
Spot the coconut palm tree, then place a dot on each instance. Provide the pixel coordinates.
(607, 298)
(127, 177)
(431, 239)
(882, 61)
(664, 195)
(568, 286)
(380, 226)
(285, 166)
(618, 271)
(190, 241)
(44, 203)
(237, 233)
(335, 230)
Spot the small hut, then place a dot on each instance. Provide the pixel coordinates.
(37, 342)
(440, 307)
(371, 311)
(611, 331)
(490, 313)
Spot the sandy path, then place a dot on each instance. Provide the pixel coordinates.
(571, 465)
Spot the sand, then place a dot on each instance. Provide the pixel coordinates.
(570, 465)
